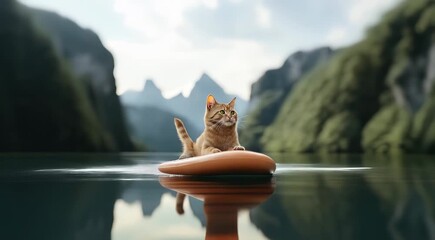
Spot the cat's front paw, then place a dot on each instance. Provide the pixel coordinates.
(184, 156)
(215, 150)
(240, 148)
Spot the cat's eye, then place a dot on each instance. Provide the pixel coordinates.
(222, 112)
(233, 112)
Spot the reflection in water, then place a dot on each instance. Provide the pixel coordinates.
(222, 197)
(57, 210)
(311, 197)
(407, 192)
(147, 193)
(393, 199)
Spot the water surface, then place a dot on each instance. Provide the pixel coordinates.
(124, 196)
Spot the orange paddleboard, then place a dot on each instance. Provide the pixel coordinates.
(223, 163)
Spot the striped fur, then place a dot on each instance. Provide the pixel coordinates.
(179, 203)
(188, 148)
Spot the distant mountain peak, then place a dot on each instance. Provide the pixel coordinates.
(150, 85)
(178, 96)
(152, 91)
(205, 77)
(206, 83)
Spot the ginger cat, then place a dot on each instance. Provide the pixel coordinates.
(220, 133)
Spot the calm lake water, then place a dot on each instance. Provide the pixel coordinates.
(125, 197)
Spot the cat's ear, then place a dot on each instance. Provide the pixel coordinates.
(232, 103)
(211, 101)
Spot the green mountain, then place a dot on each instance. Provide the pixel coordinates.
(270, 91)
(54, 210)
(376, 95)
(43, 107)
(92, 64)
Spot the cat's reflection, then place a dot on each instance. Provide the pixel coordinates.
(222, 197)
(180, 203)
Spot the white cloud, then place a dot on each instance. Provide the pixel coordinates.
(263, 16)
(361, 14)
(157, 18)
(172, 60)
(336, 37)
(364, 13)
(152, 18)
(235, 64)
(213, 4)
(235, 1)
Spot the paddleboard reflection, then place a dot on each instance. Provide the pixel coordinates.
(223, 197)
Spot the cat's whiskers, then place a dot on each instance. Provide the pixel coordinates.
(241, 119)
(222, 124)
(217, 125)
(241, 124)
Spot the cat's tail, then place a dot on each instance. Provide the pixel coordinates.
(188, 150)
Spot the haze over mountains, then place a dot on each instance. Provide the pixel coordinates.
(150, 115)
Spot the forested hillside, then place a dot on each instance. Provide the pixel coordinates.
(376, 95)
(43, 107)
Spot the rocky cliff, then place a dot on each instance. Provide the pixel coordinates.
(270, 90)
(43, 106)
(92, 64)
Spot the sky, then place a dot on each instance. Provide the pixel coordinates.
(235, 41)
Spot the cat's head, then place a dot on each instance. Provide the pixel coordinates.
(220, 114)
